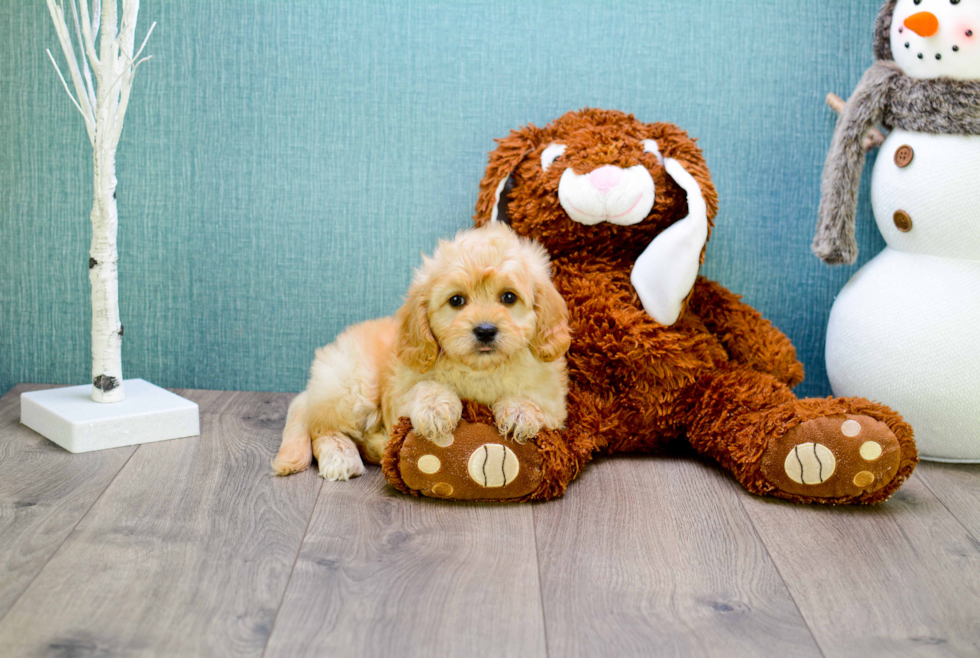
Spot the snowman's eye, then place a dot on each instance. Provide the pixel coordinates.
(954, 2)
(918, 2)
(551, 154)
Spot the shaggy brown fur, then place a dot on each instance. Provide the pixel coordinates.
(718, 378)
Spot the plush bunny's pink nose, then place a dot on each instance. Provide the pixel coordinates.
(606, 178)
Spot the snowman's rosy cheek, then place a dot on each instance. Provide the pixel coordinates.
(965, 32)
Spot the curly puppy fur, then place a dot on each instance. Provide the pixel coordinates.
(718, 378)
(436, 350)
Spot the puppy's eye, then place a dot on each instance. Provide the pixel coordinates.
(551, 154)
(457, 300)
(508, 298)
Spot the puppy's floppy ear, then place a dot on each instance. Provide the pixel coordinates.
(417, 346)
(552, 336)
(502, 162)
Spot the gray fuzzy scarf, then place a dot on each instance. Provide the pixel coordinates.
(885, 96)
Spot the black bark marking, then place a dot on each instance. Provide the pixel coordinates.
(105, 383)
(122, 328)
(92, 263)
(113, 194)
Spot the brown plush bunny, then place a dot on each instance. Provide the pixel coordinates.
(658, 353)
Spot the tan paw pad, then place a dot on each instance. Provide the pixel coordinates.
(870, 451)
(493, 465)
(429, 464)
(442, 489)
(810, 463)
(863, 479)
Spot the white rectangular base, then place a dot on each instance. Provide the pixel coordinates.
(70, 418)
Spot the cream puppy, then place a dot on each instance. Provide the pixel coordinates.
(482, 322)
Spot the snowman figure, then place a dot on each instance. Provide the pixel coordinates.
(905, 330)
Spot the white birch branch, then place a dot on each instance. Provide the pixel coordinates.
(90, 27)
(64, 38)
(88, 123)
(84, 56)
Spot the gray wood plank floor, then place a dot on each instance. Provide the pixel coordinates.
(190, 548)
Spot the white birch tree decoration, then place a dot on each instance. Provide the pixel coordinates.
(146, 413)
(102, 103)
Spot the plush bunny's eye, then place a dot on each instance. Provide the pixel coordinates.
(650, 146)
(551, 154)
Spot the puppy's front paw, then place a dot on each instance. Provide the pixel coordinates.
(436, 419)
(337, 458)
(522, 419)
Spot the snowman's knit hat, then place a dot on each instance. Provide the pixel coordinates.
(885, 96)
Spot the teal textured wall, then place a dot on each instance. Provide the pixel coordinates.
(284, 163)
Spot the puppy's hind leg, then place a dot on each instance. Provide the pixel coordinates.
(337, 457)
(296, 451)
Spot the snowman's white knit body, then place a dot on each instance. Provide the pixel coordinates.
(905, 330)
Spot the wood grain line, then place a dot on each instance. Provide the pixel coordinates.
(897, 579)
(384, 574)
(45, 491)
(655, 556)
(188, 552)
(957, 486)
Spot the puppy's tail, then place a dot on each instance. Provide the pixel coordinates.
(296, 451)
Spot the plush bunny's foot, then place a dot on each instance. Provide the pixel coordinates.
(479, 464)
(833, 457)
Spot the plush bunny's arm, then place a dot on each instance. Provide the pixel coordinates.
(834, 241)
(748, 337)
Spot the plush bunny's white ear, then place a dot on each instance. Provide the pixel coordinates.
(665, 272)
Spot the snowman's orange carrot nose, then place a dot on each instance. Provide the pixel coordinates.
(925, 23)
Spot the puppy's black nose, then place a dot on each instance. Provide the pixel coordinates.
(485, 333)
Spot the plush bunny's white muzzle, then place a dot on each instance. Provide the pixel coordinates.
(607, 194)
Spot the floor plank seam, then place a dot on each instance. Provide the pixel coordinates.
(537, 557)
(292, 569)
(740, 493)
(924, 479)
(69, 534)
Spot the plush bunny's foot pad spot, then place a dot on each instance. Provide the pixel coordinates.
(479, 464)
(837, 456)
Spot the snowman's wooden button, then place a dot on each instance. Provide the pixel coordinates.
(903, 222)
(904, 155)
